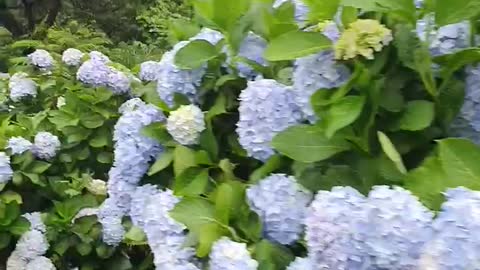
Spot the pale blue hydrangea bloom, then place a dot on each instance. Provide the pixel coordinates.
(446, 39)
(149, 70)
(72, 57)
(395, 227)
(301, 10)
(329, 229)
(251, 48)
(16, 262)
(40, 263)
(6, 171)
(171, 79)
(301, 264)
(36, 222)
(281, 203)
(118, 82)
(266, 109)
(140, 198)
(185, 124)
(133, 152)
(41, 59)
(18, 145)
(331, 31)
(45, 145)
(93, 73)
(456, 241)
(21, 86)
(98, 56)
(315, 72)
(229, 255)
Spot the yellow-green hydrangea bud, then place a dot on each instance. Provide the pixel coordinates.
(97, 187)
(363, 37)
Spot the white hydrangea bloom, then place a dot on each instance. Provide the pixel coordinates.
(229, 255)
(16, 261)
(21, 86)
(46, 145)
(72, 57)
(185, 124)
(149, 70)
(41, 59)
(6, 171)
(40, 263)
(61, 102)
(97, 187)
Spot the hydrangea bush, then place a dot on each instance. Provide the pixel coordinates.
(292, 134)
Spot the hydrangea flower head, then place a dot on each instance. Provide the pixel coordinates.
(185, 124)
(301, 264)
(456, 240)
(266, 109)
(118, 82)
(21, 86)
(36, 222)
(93, 73)
(6, 171)
(99, 57)
(330, 229)
(229, 255)
(301, 10)
(396, 226)
(362, 37)
(18, 145)
(209, 35)
(72, 57)
(251, 48)
(46, 145)
(40, 263)
(41, 59)
(61, 101)
(16, 261)
(281, 203)
(139, 202)
(149, 70)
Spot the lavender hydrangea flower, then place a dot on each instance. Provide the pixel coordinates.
(301, 264)
(315, 72)
(72, 57)
(229, 255)
(395, 227)
(251, 48)
(266, 108)
(99, 57)
(21, 86)
(18, 145)
(41, 59)
(118, 82)
(185, 124)
(45, 145)
(209, 35)
(139, 201)
(36, 222)
(149, 70)
(40, 263)
(329, 229)
(455, 244)
(281, 203)
(301, 10)
(93, 73)
(6, 171)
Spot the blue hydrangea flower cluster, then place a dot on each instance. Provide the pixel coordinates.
(6, 171)
(301, 264)
(395, 227)
(18, 145)
(140, 198)
(133, 152)
(301, 10)
(40, 263)
(41, 59)
(149, 70)
(185, 124)
(455, 244)
(281, 203)
(118, 81)
(171, 79)
(329, 229)
(251, 48)
(266, 109)
(315, 72)
(31, 246)
(229, 255)
(99, 57)
(21, 87)
(72, 57)
(45, 145)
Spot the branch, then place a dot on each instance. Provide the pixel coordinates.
(28, 4)
(53, 13)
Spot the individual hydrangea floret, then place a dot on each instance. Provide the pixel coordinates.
(281, 203)
(97, 187)
(252, 49)
(18, 145)
(456, 240)
(446, 39)
(185, 124)
(45, 145)
(266, 109)
(301, 264)
(41, 59)
(362, 38)
(6, 171)
(21, 86)
(395, 229)
(40, 263)
(330, 229)
(229, 255)
(313, 73)
(301, 10)
(72, 57)
(149, 70)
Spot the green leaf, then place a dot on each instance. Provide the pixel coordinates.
(208, 141)
(229, 197)
(460, 158)
(296, 44)
(191, 182)
(163, 161)
(105, 157)
(135, 236)
(207, 235)
(92, 120)
(391, 152)
(158, 132)
(453, 62)
(101, 139)
(183, 158)
(272, 164)
(406, 41)
(84, 249)
(418, 115)
(195, 54)
(423, 65)
(403, 8)
(11, 196)
(448, 11)
(4, 240)
(19, 227)
(38, 167)
(322, 10)
(270, 253)
(218, 108)
(308, 144)
(342, 113)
